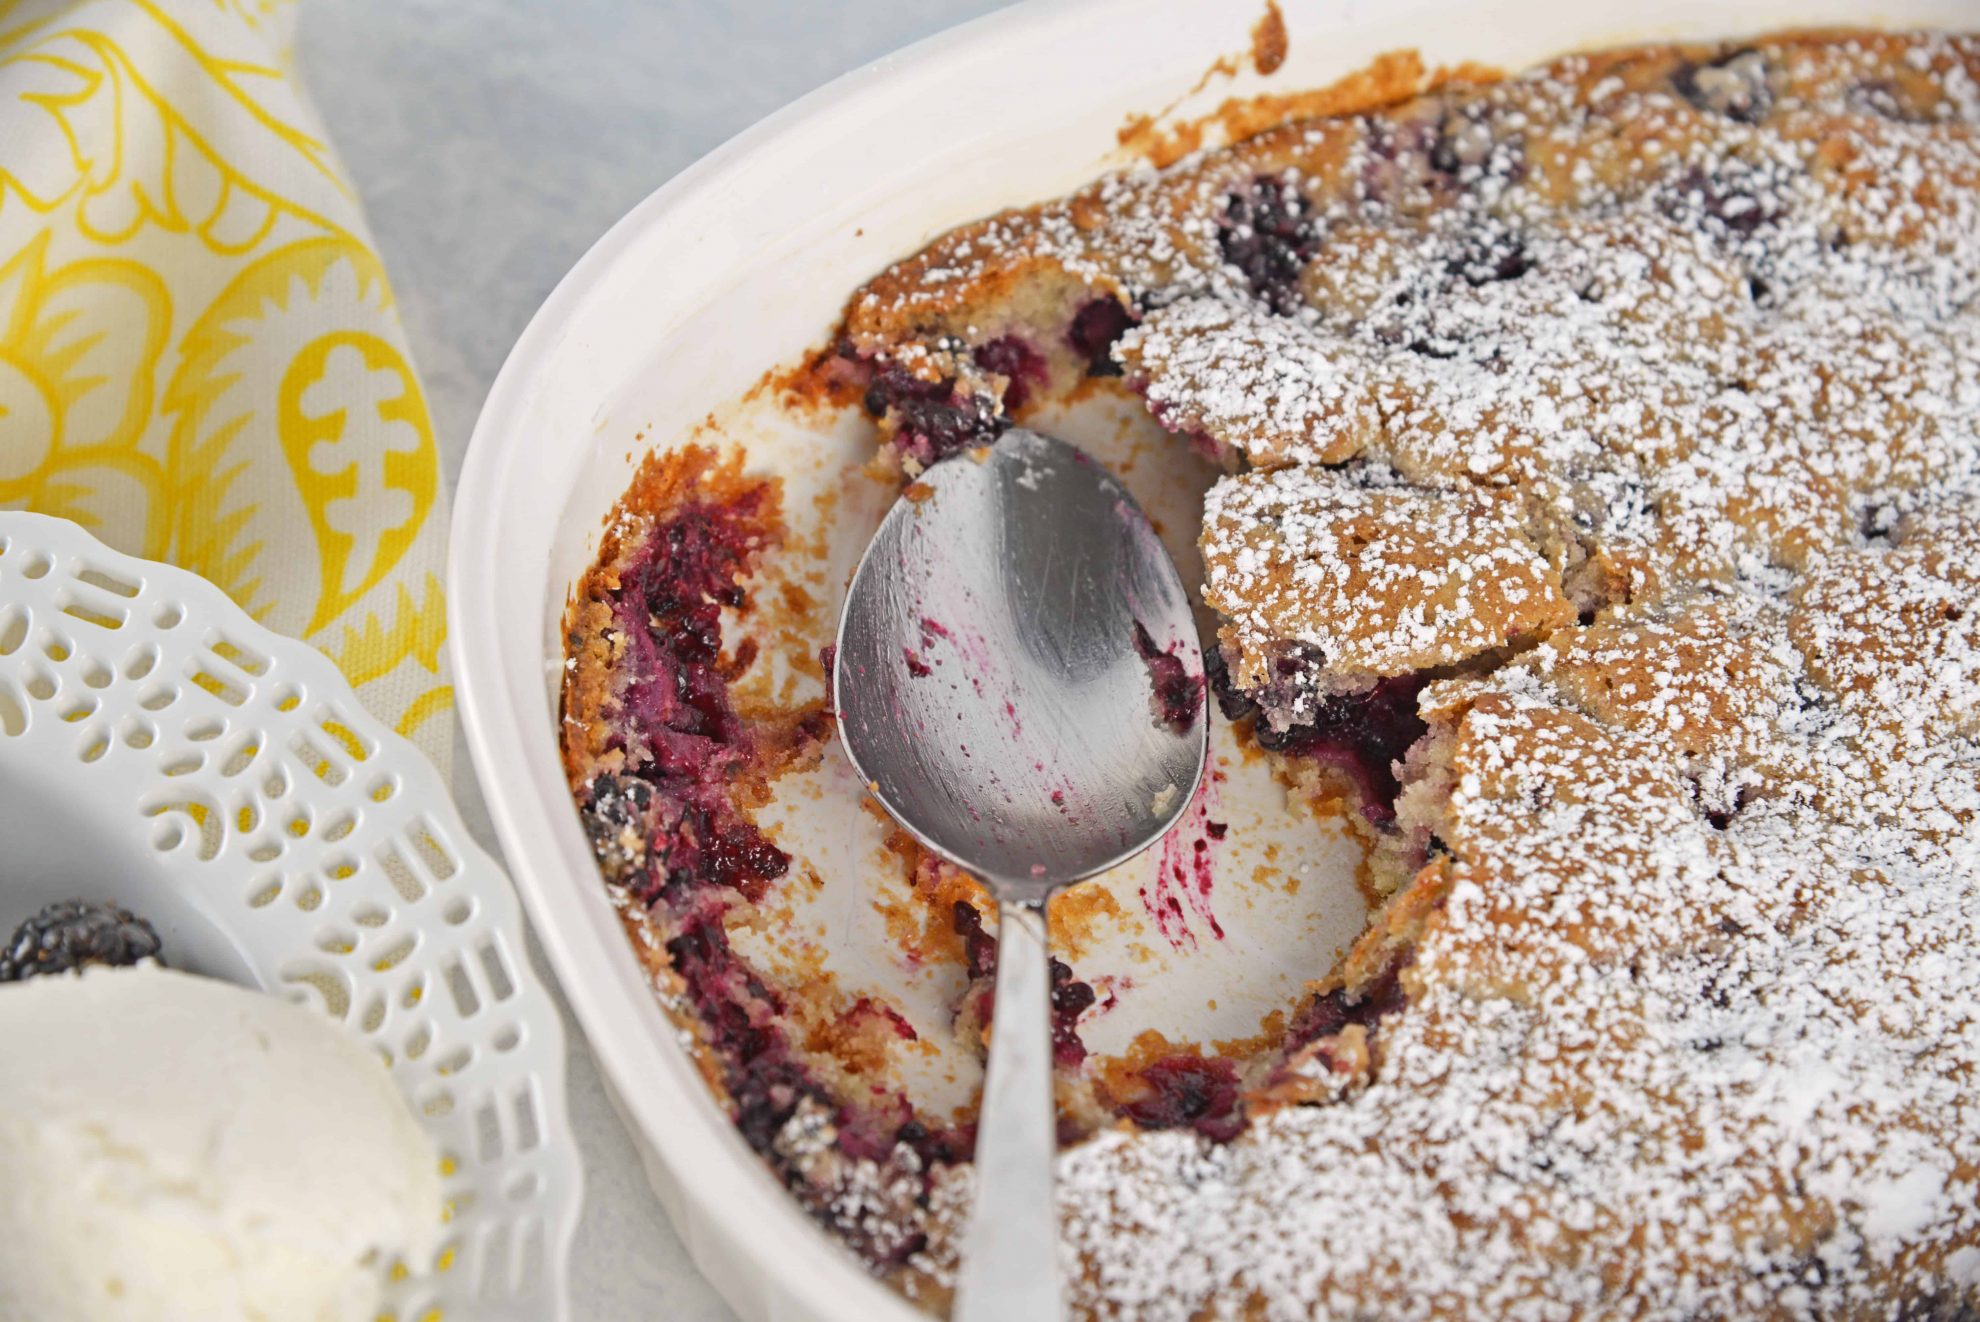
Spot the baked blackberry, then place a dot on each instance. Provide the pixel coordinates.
(71, 934)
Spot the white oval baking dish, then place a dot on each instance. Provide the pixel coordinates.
(739, 265)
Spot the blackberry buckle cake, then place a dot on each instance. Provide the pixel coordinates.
(1600, 522)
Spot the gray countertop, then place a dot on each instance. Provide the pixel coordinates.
(492, 142)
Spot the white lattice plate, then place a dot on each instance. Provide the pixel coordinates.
(160, 749)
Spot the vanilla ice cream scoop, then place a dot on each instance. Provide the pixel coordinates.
(175, 1147)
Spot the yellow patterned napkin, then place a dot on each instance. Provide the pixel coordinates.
(200, 360)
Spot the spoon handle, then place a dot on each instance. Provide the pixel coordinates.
(1010, 1267)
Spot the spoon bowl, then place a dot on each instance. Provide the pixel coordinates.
(988, 681)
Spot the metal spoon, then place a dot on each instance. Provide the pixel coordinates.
(995, 689)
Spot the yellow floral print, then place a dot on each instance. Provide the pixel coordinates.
(200, 357)
(79, 348)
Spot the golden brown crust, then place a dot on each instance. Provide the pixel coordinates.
(1370, 580)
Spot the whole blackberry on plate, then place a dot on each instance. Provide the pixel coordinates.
(70, 934)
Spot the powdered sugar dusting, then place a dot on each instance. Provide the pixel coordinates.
(1635, 402)
(1362, 577)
